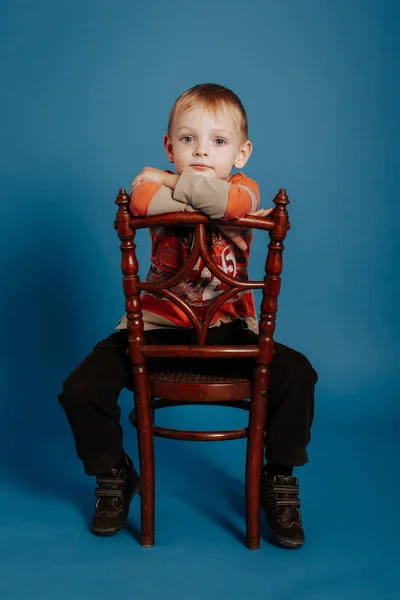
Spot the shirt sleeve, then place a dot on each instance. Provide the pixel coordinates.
(217, 198)
(149, 198)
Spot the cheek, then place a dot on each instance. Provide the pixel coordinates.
(227, 157)
(183, 152)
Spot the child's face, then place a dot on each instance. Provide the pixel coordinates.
(206, 144)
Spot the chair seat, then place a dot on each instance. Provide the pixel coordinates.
(198, 387)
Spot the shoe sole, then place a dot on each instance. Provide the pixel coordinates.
(285, 542)
(106, 532)
(110, 532)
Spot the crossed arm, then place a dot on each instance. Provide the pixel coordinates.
(156, 192)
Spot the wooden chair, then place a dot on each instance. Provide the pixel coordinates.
(183, 388)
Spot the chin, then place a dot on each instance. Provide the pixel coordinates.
(209, 174)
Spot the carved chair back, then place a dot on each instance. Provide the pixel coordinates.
(127, 225)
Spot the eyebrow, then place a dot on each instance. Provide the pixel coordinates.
(223, 131)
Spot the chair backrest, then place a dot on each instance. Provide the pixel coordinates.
(127, 225)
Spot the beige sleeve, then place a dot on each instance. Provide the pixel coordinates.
(163, 202)
(210, 196)
(214, 196)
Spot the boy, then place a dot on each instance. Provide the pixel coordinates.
(207, 136)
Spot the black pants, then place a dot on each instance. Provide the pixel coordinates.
(90, 394)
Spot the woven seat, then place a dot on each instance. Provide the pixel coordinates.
(195, 387)
(201, 378)
(166, 388)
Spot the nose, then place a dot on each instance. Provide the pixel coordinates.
(200, 150)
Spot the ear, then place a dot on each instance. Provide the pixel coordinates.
(169, 148)
(243, 155)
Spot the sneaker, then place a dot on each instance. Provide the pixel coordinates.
(279, 499)
(115, 490)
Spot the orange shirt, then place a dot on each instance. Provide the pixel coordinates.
(171, 246)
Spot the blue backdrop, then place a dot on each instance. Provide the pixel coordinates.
(86, 91)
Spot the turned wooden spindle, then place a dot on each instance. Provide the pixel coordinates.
(258, 413)
(130, 267)
(272, 280)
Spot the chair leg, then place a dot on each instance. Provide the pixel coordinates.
(254, 458)
(146, 456)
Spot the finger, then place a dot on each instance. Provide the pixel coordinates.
(239, 242)
(265, 211)
(262, 212)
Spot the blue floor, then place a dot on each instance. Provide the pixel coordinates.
(349, 494)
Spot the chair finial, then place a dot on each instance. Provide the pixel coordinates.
(122, 197)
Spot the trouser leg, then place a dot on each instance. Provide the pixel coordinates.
(290, 400)
(290, 407)
(90, 395)
(90, 400)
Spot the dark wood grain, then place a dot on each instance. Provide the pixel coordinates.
(184, 388)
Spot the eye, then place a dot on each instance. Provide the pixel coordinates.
(219, 142)
(186, 139)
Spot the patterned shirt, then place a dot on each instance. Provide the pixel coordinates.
(171, 248)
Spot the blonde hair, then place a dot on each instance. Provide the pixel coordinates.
(214, 97)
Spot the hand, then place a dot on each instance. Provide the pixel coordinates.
(157, 176)
(261, 212)
(233, 234)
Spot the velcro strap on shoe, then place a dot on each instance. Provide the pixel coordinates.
(112, 481)
(288, 502)
(285, 489)
(108, 493)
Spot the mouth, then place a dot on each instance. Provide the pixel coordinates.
(199, 166)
